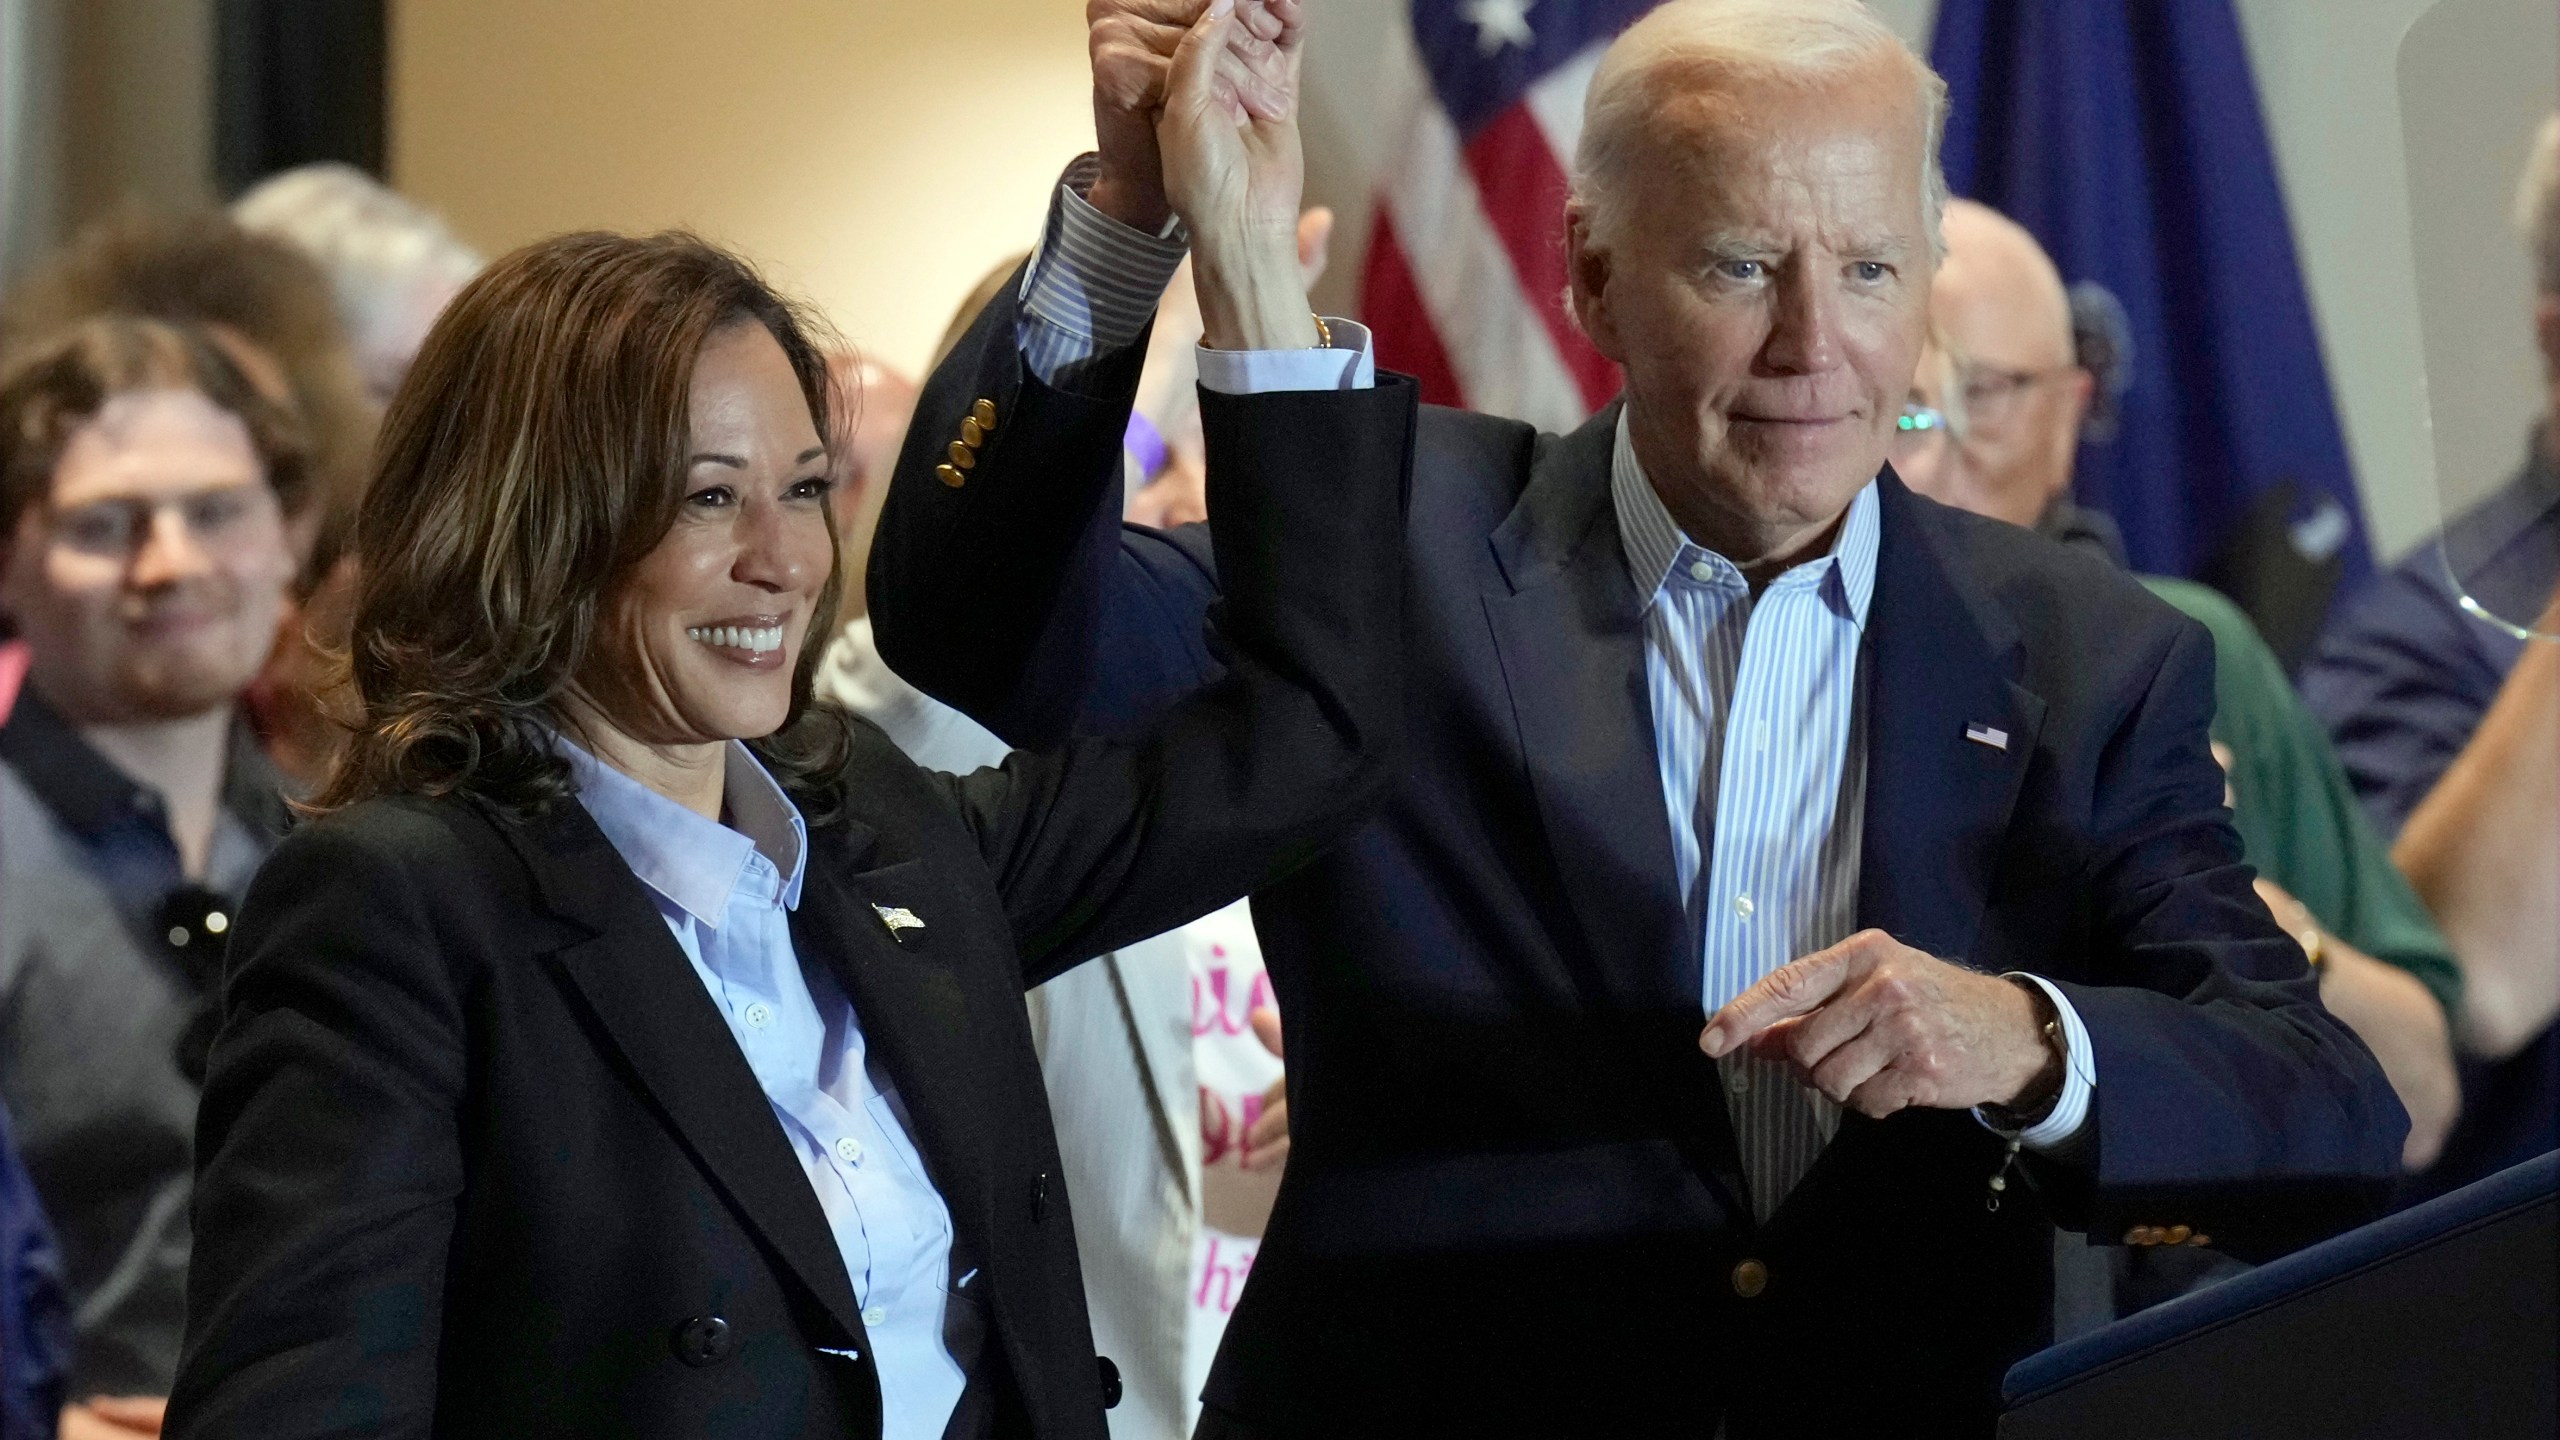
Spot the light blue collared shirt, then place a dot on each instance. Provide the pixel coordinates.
(726, 892)
(1764, 776)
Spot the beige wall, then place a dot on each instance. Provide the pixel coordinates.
(103, 104)
(137, 105)
(877, 156)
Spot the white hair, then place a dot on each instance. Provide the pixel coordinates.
(380, 249)
(1684, 46)
(2538, 207)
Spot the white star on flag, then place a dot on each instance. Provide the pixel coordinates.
(1501, 22)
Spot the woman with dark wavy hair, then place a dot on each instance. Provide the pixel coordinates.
(632, 1047)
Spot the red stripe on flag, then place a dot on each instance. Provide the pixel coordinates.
(1523, 188)
(1399, 323)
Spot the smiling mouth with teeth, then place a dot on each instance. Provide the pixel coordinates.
(754, 639)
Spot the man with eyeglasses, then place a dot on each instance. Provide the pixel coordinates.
(2001, 398)
(146, 490)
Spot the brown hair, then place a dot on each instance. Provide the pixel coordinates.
(204, 270)
(50, 390)
(536, 452)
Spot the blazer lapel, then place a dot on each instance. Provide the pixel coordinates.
(914, 1010)
(645, 994)
(1949, 733)
(1137, 973)
(1570, 635)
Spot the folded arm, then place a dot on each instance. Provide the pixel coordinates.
(2228, 1100)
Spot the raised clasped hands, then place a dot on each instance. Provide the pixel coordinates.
(1216, 82)
(1132, 43)
(1879, 1027)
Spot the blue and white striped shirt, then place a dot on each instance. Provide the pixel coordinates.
(1764, 777)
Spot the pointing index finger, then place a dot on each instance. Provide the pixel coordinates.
(1792, 989)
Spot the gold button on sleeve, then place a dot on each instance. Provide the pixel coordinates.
(1750, 1278)
(972, 434)
(963, 457)
(949, 476)
(984, 412)
(2177, 1235)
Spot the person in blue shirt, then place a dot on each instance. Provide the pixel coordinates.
(2449, 725)
(35, 1318)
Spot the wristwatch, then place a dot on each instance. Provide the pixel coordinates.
(2044, 1091)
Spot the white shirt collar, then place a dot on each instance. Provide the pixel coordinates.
(695, 862)
(1655, 544)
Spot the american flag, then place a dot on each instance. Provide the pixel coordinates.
(1464, 286)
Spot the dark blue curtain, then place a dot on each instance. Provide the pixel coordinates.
(2126, 135)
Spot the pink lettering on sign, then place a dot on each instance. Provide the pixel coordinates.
(1222, 1278)
(1223, 1130)
(1217, 1127)
(1218, 1009)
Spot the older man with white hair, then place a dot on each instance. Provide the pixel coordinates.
(1800, 897)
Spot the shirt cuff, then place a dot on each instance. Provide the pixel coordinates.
(1093, 283)
(1347, 364)
(2079, 1078)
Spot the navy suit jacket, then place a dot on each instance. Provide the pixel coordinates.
(1514, 1202)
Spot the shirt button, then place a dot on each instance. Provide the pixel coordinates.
(1739, 1082)
(1742, 906)
(758, 1015)
(876, 1315)
(1701, 570)
(849, 1150)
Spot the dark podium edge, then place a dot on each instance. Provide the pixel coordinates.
(2305, 1272)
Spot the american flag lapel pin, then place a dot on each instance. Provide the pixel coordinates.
(1981, 734)
(897, 918)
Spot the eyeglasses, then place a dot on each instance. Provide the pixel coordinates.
(1918, 428)
(1991, 394)
(115, 529)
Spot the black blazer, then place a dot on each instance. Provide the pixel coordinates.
(479, 1157)
(1514, 1202)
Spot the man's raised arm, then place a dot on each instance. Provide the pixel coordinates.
(1001, 581)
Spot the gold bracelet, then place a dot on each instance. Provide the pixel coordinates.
(1324, 332)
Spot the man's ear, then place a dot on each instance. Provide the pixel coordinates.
(2079, 388)
(1587, 283)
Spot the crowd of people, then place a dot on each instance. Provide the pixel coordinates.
(577, 857)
